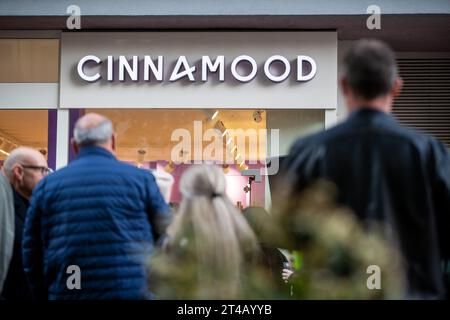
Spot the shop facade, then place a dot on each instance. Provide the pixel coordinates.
(165, 87)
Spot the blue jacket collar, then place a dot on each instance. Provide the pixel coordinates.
(94, 150)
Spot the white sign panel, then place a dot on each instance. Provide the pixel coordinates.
(199, 70)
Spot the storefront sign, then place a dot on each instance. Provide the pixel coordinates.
(264, 70)
(183, 69)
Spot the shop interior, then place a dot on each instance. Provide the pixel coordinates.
(147, 138)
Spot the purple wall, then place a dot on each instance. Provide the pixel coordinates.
(74, 115)
(51, 138)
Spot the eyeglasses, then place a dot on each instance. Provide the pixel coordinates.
(44, 170)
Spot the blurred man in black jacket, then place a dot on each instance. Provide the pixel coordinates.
(382, 170)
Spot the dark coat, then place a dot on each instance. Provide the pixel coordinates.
(389, 173)
(16, 286)
(100, 215)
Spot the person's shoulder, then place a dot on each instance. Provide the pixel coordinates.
(4, 183)
(318, 138)
(420, 140)
(58, 175)
(129, 168)
(411, 134)
(431, 150)
(132, 171)
(6, 192)
(439, 150)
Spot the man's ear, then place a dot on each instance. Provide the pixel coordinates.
(17, 172)
(397, 87)
(75, 147)
(344, 86)
(113, 142)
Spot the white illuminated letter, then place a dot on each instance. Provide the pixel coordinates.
(236, 75)
(157, 72)
(300, 76)
(207, 64)
(287, 68)
(81, 73)
(110, 68)
(132, 71)
(188, 71)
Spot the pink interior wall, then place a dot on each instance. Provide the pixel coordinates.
(235, 183)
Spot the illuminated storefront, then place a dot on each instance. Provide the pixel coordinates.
(239, 91)
(155, 77)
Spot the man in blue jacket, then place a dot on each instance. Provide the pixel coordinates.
(91, 225)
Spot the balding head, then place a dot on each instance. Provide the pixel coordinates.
(93, 129)
(24, 168)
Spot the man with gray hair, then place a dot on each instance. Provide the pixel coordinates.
(91, 225)
(24, 168)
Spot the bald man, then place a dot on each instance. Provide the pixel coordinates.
(24, 168)
(91, 225)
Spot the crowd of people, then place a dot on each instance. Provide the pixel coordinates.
(366, 192)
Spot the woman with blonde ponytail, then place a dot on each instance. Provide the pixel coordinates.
(210, 246)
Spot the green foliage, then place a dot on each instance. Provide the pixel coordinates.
(331, 252)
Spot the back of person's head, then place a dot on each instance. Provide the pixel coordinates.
(93, 129)
(221, 236)
(370, 69)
